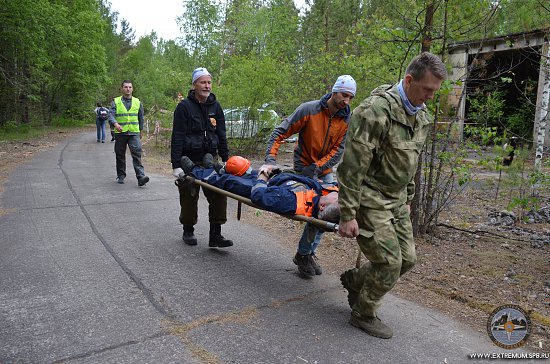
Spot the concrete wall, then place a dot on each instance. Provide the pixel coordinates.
(458, 60)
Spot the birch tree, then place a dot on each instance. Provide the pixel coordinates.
(542, 113)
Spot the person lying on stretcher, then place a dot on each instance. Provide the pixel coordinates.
(268, 188)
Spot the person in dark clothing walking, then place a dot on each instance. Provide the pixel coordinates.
(101, 116)
(199, 131)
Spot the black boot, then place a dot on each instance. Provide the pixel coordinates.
(187, 165)
(216, 239)
(208, 161)
(188, 237)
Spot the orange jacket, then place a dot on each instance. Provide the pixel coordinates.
(321, 137)
(288, 194)
(306, 201)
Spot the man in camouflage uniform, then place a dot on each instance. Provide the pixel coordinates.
(386, 134)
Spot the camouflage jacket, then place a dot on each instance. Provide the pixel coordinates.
(381, 153)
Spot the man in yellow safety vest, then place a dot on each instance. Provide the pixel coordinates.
(126, 116)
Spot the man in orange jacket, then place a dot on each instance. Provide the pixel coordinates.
(321, 126)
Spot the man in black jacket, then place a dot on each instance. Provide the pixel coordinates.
(198, 130)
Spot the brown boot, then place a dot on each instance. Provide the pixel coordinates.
(372, 326)
(316, 265)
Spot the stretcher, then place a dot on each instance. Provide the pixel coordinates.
(322, 224)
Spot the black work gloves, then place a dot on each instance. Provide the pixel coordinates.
(310, 171)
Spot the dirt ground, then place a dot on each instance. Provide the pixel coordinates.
(467, 268)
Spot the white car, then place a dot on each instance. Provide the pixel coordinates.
(241, 123)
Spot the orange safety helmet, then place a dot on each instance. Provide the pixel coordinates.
(237, 165)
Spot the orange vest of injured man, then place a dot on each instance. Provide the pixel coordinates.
(284, 193)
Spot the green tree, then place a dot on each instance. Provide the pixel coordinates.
(520, 16)
(156, 80)
(199, 25)
(78, 59)
(52, 56)
(259, 86)
(23, 58)
(118, 39)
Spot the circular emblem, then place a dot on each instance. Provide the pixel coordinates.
(509, 326)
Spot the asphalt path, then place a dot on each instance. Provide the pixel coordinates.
(92, 271)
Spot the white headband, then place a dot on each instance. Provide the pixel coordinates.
(199, 72)
(345, 83)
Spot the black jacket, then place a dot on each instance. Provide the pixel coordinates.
(198, 129)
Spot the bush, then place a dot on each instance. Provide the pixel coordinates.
(482, 135)
(13, 131)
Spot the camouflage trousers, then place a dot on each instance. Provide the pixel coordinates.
(386, 239)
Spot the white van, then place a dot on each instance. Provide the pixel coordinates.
(241, 123)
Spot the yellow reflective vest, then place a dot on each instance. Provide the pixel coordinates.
(127, 119)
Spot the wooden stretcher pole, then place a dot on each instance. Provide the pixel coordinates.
(322, 224)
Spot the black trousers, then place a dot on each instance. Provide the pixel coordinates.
(189, 198)
(134, 144)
